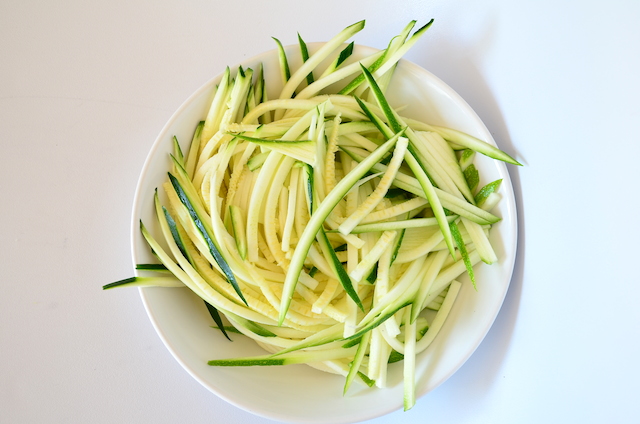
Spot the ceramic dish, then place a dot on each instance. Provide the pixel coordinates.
(298, 393)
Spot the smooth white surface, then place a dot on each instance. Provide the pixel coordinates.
(299, 394)
(85, 88)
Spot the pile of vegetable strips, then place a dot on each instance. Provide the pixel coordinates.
(324, 224)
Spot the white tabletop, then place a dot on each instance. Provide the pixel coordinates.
(85, 87)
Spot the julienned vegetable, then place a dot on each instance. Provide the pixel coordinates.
(323, 224)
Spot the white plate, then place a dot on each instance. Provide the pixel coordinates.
(298, 393)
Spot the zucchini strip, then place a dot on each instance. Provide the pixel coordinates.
(304, 53)
(354, 366)
(409, 368)
(214, 116)
(463, 251)
(192, 157)
(207, 235)
(399, 225)
(145, 282)
(217, 319)
(293, 358)
(285, 72)
(302, 150)
(291, 208)
(239, 232)
(328, 251)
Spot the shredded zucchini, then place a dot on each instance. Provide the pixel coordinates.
(322, 224)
